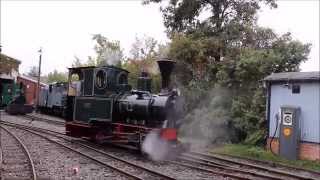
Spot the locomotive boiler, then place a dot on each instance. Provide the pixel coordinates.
(105, 108)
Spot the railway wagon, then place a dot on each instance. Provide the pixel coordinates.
(109, 110)
(52, 99)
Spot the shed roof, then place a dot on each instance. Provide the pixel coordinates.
(8, 58)
(294, 76)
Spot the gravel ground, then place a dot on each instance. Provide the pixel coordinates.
(176, 171)
(28, 122)
(276, 167)
(118, 164)
(57, 162)
(15, 163)
(54, 162)
(205, 147)
(47, 117)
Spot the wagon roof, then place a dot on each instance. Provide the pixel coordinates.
(294, 76)
(31, 79)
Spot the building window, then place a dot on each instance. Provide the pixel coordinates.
(295, 89)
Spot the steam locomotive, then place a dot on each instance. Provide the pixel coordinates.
(105, 108)
(15, 99)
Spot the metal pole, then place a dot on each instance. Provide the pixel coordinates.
(39, 74)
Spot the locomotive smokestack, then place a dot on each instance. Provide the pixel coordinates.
(166, 67)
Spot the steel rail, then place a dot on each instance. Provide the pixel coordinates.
(1, 156)
(125, 161)
(34, 128)
(265, 168)
(27, 128)
(78, 152)
(207, 170)
(34, 175)
(94, 149)
(229, 168)
(201, 154)
(120, 159)
(36, 118)
(275, 164)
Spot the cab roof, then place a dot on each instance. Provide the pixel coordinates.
(92, 67)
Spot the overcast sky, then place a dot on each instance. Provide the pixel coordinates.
(64, 29)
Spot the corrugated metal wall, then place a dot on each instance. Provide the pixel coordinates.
(308, 100)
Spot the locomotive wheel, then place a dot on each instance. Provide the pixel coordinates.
(100, 137)
(141, 138)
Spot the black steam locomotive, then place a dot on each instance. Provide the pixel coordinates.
(106, 109)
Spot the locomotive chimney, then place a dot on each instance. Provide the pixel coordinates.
(166, 67)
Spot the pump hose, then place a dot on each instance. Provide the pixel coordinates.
(274, 134)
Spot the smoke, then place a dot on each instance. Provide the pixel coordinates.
(157, 148)
(111, 57)
(207, 124)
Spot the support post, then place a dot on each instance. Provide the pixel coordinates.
(39, 75)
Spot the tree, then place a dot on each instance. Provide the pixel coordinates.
(143, 48)
(227, 24)
(56, 76)
(143, 56)
(77, 62)
(227, 49)
(33, 71)
(108, 52)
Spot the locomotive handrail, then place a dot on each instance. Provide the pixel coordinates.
(140, 93)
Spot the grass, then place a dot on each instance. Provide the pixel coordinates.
(259, 153)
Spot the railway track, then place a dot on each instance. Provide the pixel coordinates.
(12, 157)
(216, 164)
(274, 164)
(133, 171)
(209, 162)
(37, 118)
(221, 169)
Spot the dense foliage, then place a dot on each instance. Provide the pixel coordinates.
(143, 55)
(56, 76)
(218, 45)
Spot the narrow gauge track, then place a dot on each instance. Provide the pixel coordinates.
(124, 163)
(94, 148)
(276, 164)
(32, 170)
(222, 169)
(37, 118)
(216, 165)
(218, 171)
(214, 161)
(212, 164)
